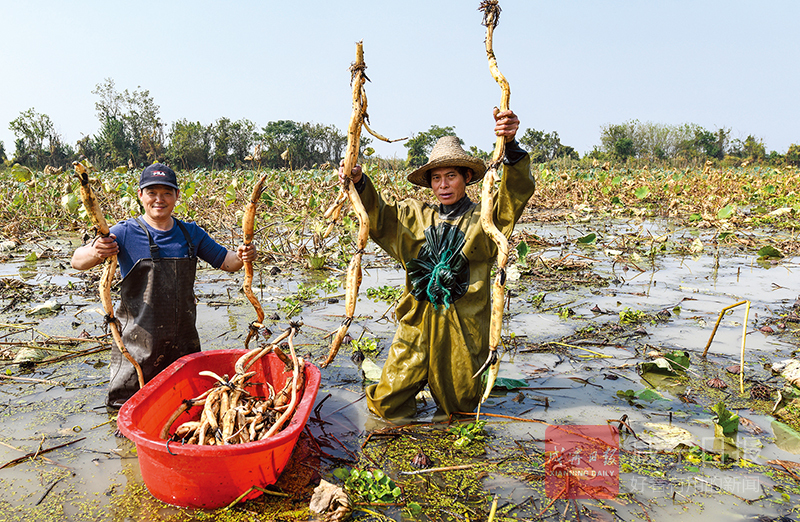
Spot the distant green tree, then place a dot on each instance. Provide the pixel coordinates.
(37, 142)
(189, 144)
(565, 151)
(619, 138)
(328, 143)
(286, 143)
(280, 142)
(709, 144)
(110, 104)
(241, 141)
(775, 158)
(420, 145)
(112, 145)
(232, 140)
(736, 148)
(131, 128)
(751, 148)
(87, 146)
(221, 138)
(481, 154)
(539, 145)
(596, 154)
(754, 148)
(543, 147)
(624, 149)
(793, 155)
(658, 141)
(654, 140)
(3, 157)
(145, 126)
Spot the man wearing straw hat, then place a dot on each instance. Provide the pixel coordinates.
(444, 313)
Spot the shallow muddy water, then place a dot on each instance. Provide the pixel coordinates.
(563, 338)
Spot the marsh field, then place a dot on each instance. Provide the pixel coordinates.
(632, 295)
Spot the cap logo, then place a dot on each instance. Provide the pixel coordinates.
(158, 173)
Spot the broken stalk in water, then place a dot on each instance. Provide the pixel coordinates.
(744, 336)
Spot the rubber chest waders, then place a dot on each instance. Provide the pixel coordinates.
(157, 313)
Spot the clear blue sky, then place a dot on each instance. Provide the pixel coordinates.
(573, 66)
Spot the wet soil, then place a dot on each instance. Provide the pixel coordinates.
(580, 321)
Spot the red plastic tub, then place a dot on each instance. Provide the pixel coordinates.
(209, 476)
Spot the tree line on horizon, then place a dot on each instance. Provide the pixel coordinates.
(132, 133)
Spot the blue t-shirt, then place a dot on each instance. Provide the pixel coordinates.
(133, 244)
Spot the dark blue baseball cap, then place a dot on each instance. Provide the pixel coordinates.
(158, 174)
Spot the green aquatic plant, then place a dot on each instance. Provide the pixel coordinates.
(565, 312)
(522, 254)
(726, 424)
(371, 486)
(307, 292)
(537, 299)
(467, 434)
(629, 316)
(385, 293)
(670, 363)
(726, 212)
(646, 395)
(367, 345)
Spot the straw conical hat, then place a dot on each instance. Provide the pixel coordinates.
(447, 152)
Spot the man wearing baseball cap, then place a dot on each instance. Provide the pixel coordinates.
(157, 256)
(444, 313)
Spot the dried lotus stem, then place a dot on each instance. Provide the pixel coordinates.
(359, 110)
(186, 429)
(239, 366)
(224, 402)
(202, 431)
(285, 359)
(211, 409)
(228, 424)
(209, 373)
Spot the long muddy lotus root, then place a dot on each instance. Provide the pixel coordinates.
(491, 13)
(109, 265)
(248, 225)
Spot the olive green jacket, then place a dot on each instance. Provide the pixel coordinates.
(440, 345)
